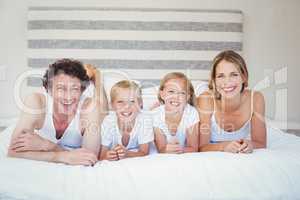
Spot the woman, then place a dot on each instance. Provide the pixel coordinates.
(232, 116)
(59, 126)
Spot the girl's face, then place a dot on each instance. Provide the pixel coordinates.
(228, 79)
(66, 92)
(126, 104)
(175, 94)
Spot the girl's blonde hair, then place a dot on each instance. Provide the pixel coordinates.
(189, 87)
(232, 57)
(126, 84)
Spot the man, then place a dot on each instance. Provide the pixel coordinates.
(60, 126)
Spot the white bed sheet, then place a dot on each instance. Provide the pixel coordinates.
(272, 173)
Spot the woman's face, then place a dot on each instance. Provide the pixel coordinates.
(175, 94)
(126, 104)
(228, 79)
(66, 92)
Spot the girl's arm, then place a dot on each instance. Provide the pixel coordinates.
(258, 126)
(160, 140)
(163, 146)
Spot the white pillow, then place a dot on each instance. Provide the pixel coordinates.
(200, 87)
(149, 96)
(5, 136)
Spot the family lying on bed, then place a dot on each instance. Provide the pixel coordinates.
(61, 126)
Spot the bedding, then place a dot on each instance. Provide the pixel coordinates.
(272, 173)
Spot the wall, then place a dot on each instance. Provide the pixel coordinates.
(271, 32)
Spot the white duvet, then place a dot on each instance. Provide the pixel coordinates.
(272, 173)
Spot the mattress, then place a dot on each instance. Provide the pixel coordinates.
(271, 173)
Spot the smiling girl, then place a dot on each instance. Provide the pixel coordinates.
(175, 121)
(232, 116)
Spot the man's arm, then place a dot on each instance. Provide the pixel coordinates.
(43, 150)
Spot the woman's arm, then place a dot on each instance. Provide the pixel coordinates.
(192, 139)
(205, 106)
(258, 125)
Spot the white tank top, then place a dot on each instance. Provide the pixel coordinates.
(71, 138)
(220, 135)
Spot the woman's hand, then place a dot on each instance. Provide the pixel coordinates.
(238, 146)
(246, 147)
(232, 147)
(28, 141)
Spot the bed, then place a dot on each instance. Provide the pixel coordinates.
(271, 173)
(183, 40)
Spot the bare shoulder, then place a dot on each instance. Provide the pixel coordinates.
(206, 98)
(32, 112)
(35, 101)
(258, 97)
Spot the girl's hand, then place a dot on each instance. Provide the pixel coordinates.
(112, 155)
(174, 148)
(232, 147)
(246, 147)
(121, 151)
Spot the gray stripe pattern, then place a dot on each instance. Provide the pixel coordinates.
(37, 82)
(64, 44)
(131, 64)
(69, 8)
(134, 25)
(133, 44)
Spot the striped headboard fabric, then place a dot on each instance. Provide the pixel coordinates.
(143, 43)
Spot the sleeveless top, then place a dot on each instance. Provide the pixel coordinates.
(71, 138)
(220, 135)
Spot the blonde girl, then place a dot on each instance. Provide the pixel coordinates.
(176, 120)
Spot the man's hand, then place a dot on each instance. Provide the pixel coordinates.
(78, 157)
(28, 141)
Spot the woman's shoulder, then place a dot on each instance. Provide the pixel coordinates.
(253, 95)
(205, 100)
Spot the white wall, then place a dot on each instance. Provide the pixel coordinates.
(271, 41)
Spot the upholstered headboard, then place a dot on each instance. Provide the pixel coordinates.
(139, 43)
